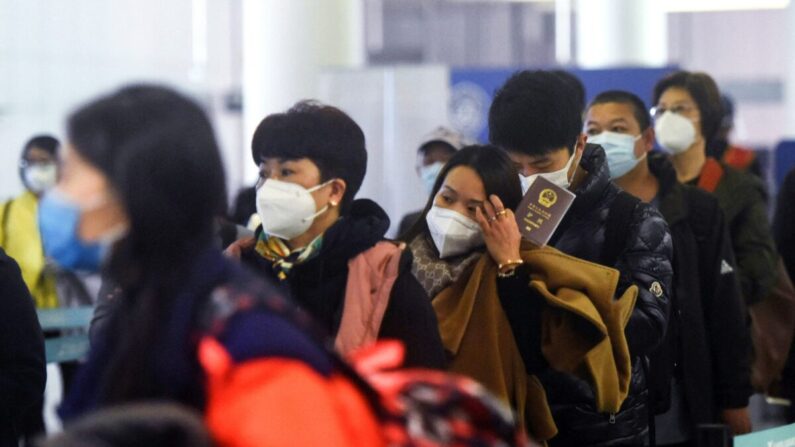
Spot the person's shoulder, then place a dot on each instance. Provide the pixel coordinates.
(698, 198)
(789, 182)
(253, 320)
(8, 266)
(411, 217)
(11, 282)
(242, 285)
(742, 184)
(651, 229)
(646, 213)
(241, 291)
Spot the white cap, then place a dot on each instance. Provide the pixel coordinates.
(445, 135)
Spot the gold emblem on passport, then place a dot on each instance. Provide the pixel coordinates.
(541, 210)
(547, 198)
(656, 289)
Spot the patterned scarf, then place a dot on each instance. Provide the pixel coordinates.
(436, 274)
(276, 250)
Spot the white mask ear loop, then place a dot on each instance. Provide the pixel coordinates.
(321, 210)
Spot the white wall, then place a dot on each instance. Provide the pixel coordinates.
(395, 107)
(735, 48)
(55, 55)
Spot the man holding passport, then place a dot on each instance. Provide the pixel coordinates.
(536, 116)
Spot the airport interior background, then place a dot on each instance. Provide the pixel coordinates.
(400, 68)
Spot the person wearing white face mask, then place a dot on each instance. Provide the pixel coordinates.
(694, 392)
(691, 101)
(470, 259)
(687, 116)
(326, 250)
(435, 150)
(536, 116)
(19, 235)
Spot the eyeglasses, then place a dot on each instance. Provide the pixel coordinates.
(678, 109)
(24, 163)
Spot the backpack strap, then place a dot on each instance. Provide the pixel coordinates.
(711, 174)
(617, 227)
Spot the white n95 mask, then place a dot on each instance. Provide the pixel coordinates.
(559, 178)
(287, 210)
(39, 177)
(675, 133)
(452, 233)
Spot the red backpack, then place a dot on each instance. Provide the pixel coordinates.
(279, 402)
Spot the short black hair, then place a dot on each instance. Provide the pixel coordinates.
(728, 112)
(47, 143)
(536, 112)
(624, 97)
(437, 144)
(497, 172)
(705, 93)
(575, 84)
(323, 134)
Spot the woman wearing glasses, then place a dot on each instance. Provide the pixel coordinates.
(686, 119)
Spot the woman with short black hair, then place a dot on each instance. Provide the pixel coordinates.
(326, 250)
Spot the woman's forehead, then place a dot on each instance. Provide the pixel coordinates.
(466, 182)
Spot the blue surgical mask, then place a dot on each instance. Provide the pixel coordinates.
(620, 151)
(428, 175)
(59, 219)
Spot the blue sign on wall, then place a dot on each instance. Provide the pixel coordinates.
(775, 437)
(473, 89)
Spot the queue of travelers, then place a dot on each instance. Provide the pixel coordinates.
(637, 319)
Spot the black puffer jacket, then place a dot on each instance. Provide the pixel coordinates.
(645, 260)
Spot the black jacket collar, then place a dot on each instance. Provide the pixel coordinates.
(672, 199)
(363, 227)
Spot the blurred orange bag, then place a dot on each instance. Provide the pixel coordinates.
(282, 402)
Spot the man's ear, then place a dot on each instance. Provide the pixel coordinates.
(580, 146)
(647, 137)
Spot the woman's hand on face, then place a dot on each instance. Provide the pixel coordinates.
(500, 231)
